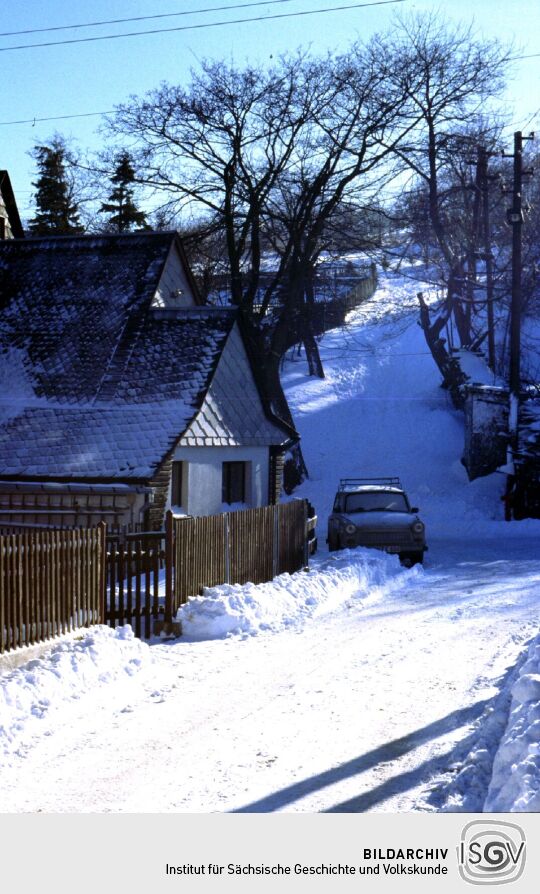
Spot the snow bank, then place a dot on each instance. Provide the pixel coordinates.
(31, 693)
(250, 609)
(499, 772)
(515, 783)
(465, 792)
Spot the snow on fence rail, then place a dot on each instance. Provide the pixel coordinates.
(320, 316)
(50, 582)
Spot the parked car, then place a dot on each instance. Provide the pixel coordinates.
(376, 512)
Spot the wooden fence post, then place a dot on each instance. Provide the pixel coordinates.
(102, 533)
(306, 536)
(275, 541)
(227, 544)
(169, 563)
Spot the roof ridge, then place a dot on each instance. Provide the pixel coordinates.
(65, 237)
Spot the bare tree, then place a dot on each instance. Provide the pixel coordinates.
(449, 76)
(272, 156)
(219, 146)
(338, 159)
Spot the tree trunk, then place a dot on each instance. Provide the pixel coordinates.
(451, 373)
(270, 353)
(313, 356)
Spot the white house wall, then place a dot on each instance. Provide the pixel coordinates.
(231, 426)
(174, 281)
(203, 477)
(8, 234)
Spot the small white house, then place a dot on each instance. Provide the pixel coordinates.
(120, 394)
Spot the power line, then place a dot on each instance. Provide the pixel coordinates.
(284, 15)
(56, 118)
(164, 15)
(35, 120)
(531, 119)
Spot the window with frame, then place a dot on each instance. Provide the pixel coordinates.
(177, 495)
(233, 487)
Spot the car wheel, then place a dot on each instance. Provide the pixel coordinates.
(410, 559)
(332, 545)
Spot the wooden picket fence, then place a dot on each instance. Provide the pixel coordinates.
(50, 582)
(235, 547)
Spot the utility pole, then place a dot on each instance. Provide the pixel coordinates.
(483, 183)
(515, 219)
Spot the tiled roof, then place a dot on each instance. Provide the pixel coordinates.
(172, 358)
(94, 442)
(66, 300)
(94, 381)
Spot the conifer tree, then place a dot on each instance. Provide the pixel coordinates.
(57, 212)
(124, 214)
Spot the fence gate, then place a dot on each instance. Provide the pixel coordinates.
(135, 580)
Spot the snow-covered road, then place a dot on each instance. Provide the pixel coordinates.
(365, 708)
(356, 687)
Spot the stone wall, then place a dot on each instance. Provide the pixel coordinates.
(486, 425)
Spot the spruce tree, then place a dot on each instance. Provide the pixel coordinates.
(124, 214)
(57, 213)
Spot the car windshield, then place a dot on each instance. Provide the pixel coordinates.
(376, 501)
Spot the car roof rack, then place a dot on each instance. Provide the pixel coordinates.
(344, 483)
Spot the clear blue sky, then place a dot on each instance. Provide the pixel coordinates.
(93, 77)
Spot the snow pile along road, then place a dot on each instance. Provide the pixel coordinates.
(499, 772)
(30, 694)
(515, 783)
(249, 609)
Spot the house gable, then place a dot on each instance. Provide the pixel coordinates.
(232, 413)
(176, 287)
(10, 222)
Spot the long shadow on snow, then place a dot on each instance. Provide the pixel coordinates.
(385, 753)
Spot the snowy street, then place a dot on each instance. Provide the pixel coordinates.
(360, 686)
(359, 710)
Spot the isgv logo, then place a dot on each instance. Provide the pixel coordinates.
(491, 853)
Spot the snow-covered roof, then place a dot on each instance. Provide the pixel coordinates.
(70, 302)
(371, 488)
(94, 381)
(475, 368)
(93, 442)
